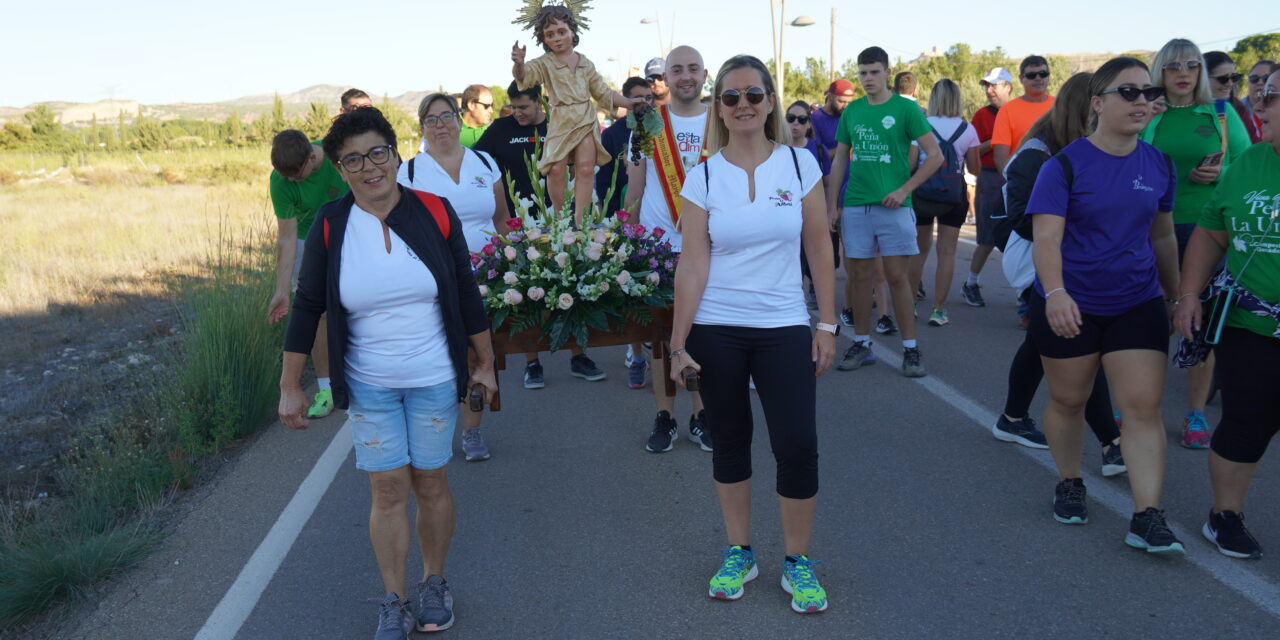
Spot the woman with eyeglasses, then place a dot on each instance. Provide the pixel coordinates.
(390, 269)
(740, 313)
(1106, 266)
(1223, 82)
(1203, 138)
(1241, 223)
(472, 182)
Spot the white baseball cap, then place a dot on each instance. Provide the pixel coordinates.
(998, 75)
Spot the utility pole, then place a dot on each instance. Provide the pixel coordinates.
(832, 72)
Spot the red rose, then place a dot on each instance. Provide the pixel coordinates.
(623, 216)
(487, 250)
(515, 224)
(658, 232)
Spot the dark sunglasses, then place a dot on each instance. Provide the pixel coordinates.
(729, 97)
(1256, 79)
(1230, 78)
(653, 79)
(791, 117)
(1036, 74)
(1131, 93)
(1269, 99)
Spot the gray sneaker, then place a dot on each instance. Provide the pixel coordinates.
(583, 367)
(859, 355)
(394, 619)
(473, 446)
(435, 605)
(911, 366)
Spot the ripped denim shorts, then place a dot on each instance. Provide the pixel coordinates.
(394, 427)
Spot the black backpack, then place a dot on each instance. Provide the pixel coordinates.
(947, 183)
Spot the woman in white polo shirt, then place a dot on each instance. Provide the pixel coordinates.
(471, 181)
(740, 313)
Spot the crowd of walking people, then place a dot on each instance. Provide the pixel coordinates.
(1140, 200)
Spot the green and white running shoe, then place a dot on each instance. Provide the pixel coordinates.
(798, 579)
(323, 405)
(738, 569)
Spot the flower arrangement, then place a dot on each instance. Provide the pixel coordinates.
(546, 272)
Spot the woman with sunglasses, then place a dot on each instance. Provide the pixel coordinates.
(472, 182)
(1180, 132)
(1223, 82)
(740, 313)
(1240, 222)
(1104, 252)
(390, 269)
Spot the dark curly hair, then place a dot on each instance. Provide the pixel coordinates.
(354, 123)
(552, 13)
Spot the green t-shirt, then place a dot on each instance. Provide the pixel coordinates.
(301, 200)
(879, 138)
(470, 134)
(1244, 205)
(1187, 136)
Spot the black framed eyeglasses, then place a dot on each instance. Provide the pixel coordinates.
(730, 97)
(1131, 93)
(1228, 78)
(791, 117)
(378, 155)
(447, 118)
(1032, 75)
(1176, 65)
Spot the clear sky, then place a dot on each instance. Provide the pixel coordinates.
(181, 52)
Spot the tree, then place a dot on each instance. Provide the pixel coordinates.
(122, 130)
(401, 122)
(316, 123)
(150, 135)
(95, 136)
(15, 136)
(500, 98)
(1248, 51)
(233, 128)
(278, 122)
(46, 131)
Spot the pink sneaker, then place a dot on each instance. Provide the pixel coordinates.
(1195, 431)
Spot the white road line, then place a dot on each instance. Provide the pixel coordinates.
(1231, 573)
(242, 597)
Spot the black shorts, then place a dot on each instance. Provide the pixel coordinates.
(1248, 377)
(990, 205)
(1145, 326)
(951, 214)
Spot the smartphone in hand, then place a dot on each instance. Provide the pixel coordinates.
(1212, 160)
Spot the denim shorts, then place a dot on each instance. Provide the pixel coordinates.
(865, 228)
(394, 427)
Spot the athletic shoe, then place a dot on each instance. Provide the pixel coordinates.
(938, 317)
(911, 366)
(1023, 432)
(698, 433)
(394, 620)
(1069, 502)
(807, 596)
(323, 405)
(583, 367)
(859, 355)
(473, 446)
(533, 375)
(739, 568)
(846, 317)
(920, 294)
(1112, 461)
(1195, 431)
(627, 359)
(972, 294)
(636, 371)
(1148, 530)
(885, 325)
(1226, 530)
(435, 605)
(664, 432)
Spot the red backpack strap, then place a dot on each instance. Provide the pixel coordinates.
(326, 233)
(436, 206)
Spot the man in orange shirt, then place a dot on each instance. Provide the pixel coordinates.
(1016, 117)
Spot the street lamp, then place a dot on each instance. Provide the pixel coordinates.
(654, 21)
(779, 67)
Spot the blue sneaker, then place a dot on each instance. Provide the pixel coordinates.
(739, 568)
(636, 372)
(394, 619)
(798, 579)
(435, 605)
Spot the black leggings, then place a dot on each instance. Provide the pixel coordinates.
(1025, 373)
(779, 362)
(1248, 372)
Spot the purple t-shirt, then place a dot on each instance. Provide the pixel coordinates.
(819, 154)
(824, 129)
(1108, 264)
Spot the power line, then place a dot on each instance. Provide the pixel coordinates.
(1257, 33)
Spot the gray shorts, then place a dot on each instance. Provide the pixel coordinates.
(866, 228)
(988, 205)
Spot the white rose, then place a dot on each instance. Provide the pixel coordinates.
(598, 236)
(532, 254)
(534, 233)
(512, 297)
(535, 293)
(562, 259)
(509, 252)
(484, 290)
(654, 277)
(564, 301)
(623, 278)
(510, 277)
(568, 238)
(604, 287)
(594, 251)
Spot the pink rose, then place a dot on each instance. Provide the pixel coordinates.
(534, 233)
(535, 293)
(562, 259)
(594, 251)
(515, 224)
(623, 278)
(475, 259)
(604, 287)
(488, 249)
(532, 254)
(512, 297)
(622, 216)
(598, 236)
(564, 301)
(654, 277)
(510, 277)
(509, 252)
(658, 232)
(568, 238)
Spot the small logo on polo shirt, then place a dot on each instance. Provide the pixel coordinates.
(479, 181)
(1138, 186)
(888, 122)
(783, 199)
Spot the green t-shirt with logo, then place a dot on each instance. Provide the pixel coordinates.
(1187, 135)
(301, 200)
(1245, 205)
(470, 134)
(879, 138)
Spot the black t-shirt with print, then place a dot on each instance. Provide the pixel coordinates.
(509, 142)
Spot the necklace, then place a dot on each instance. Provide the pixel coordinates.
(1181, 106)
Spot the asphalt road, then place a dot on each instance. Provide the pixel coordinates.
(926, 527)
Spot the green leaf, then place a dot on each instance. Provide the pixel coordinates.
(597, 319)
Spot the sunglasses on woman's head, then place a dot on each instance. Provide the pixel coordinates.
(1131, 93)
(755, 95)
(791, 117)
(1230, 78)
(1175, 65)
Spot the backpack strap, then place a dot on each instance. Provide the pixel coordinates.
(436, 206)
(956, 134)
(706, 175)
(796, 162)
(411, 171)
(482, 160)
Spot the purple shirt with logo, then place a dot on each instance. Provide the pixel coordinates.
(1108, 263)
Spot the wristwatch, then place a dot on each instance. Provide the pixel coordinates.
(833, 329)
